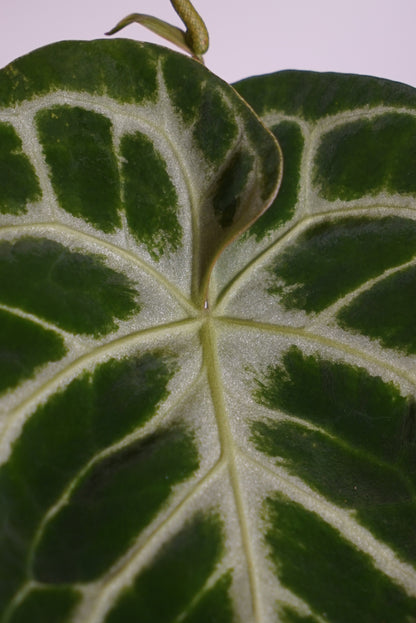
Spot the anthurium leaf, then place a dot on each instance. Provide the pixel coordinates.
(117, 125)
(125, 169)
(317, 352)
(252, 460)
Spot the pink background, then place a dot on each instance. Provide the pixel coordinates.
(375, 37)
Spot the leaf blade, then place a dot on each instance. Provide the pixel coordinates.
(285, 410)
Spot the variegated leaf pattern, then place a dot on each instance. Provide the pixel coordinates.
(248, 461)
(316, 348)
(124, 171)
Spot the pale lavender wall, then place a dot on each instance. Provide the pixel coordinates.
(374, 37)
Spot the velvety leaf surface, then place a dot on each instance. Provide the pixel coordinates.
(166, 459)
(317, 351)
(125, 169)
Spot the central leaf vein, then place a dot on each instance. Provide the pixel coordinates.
(229, 452)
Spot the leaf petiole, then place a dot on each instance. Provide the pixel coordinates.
(194, 40)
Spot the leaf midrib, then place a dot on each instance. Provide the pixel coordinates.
(208, 327)
(229, 452)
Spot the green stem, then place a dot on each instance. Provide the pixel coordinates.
(194, 40)
(196, 32)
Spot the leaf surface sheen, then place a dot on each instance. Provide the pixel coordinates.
(252, 461)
